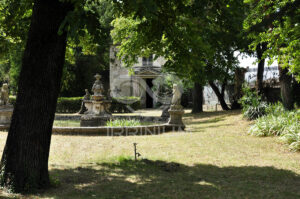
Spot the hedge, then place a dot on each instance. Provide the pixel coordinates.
(73, 104)
(68, 104)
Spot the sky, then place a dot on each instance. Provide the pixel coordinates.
(247, 61)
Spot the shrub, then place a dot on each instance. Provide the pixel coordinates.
(253, 106)
(68, 104)
(73, 104)
(12, 100)
(279, 123)
(123, 122)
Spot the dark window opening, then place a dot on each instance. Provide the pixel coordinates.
(149, 94)
(148, 61)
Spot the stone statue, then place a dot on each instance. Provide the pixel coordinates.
(97, 87)
(176, 99)
(87, 96)
(4, 95)
(176, 110)
(6, 109)
(97, 106)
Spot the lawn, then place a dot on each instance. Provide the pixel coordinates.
(215, 158)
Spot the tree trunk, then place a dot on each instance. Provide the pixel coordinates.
(24, 164)
(286, 88)
(197, 98)
(220, 95)
(260, 49)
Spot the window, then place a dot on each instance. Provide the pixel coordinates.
(148, 61)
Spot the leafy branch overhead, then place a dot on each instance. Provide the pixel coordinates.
(197, 38)
(277, 24)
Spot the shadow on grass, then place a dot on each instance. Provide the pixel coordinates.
(209, 118)
(213, 114)
(159, 179)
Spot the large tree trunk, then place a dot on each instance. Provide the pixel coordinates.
(220, 95)
(260, 49)
(197, 98)
(24, 164)
(286, 88)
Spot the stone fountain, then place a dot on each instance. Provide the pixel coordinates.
(6, 109)
(98, 105)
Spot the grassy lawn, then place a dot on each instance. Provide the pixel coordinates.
(214, 159)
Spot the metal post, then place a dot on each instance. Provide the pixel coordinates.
(134, 145)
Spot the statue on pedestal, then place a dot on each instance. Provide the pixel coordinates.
(176, 110)
(4, 95)
(6, 109)
(97, 106)
(176, 99)
(97, 88)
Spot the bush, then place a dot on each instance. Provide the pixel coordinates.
(73, 104)
(253, 106)
(279, 123)
(68, 104)
(12, 100)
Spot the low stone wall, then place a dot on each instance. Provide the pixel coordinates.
(126, 117)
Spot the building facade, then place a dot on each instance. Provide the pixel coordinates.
(140, 83)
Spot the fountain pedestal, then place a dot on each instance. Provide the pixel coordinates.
(6, 109)
(176, 110)
(97, 113)
(176, 113)
(5, 114)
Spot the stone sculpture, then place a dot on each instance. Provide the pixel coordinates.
(6, 109)
(98, 105)
(4, 95)
(176, 99)
(97, 88)
(176, 110)
(87, 96)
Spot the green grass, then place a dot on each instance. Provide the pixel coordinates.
(67, 123)
(216, 158)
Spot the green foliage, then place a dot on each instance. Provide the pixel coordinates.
(197, 38)
(67, 123)
(68, 104)
(253, 106)
(277, 24)
(73, 104)
(123, 123)
(279, 122)
(12, 100)
(88, 27)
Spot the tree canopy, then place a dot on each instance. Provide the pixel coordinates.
(277, 24)
(197, 38)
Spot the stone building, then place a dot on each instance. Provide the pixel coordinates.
(139, 84)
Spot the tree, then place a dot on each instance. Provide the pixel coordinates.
(279, 29)
(196, 38)
(197, 98)
(24, 164)
(88, 39)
